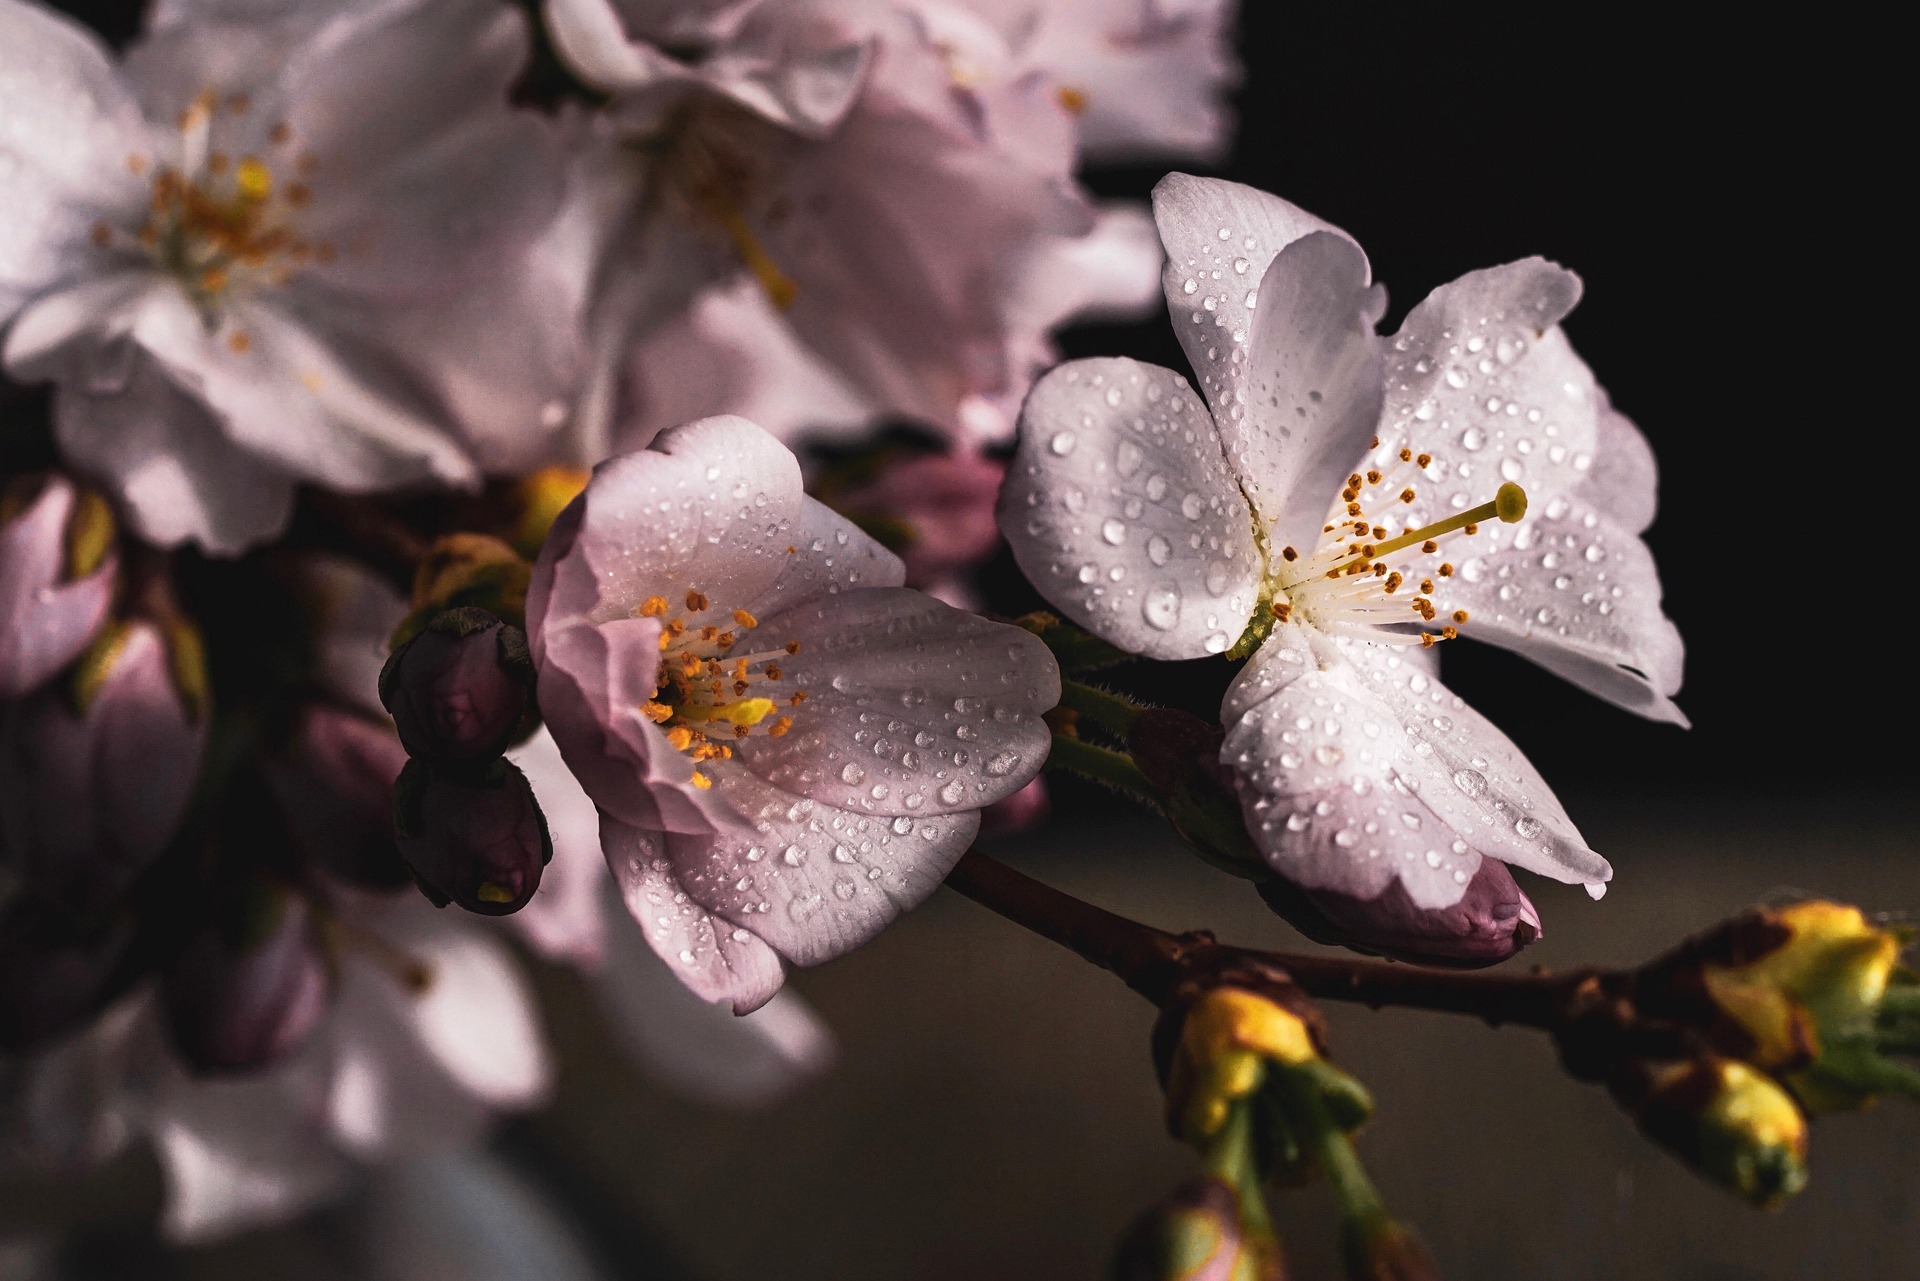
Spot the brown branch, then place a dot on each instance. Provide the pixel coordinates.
(1152, 962)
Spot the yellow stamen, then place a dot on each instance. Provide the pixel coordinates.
(253, 179)
(658, 713)
(701, 781)
(743, 712)
(779, 287)
(745, 619)
(653, 607)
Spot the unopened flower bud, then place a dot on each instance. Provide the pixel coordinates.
(335, 787)
(936, 510)
(1197, 1234)
(1380, 1248)
(95, 771)
(247, 990)
(476, 840)
(1727, 1119)
(1024, 809)
(460, 689)
(1800, 991)
(57, 571)
(467, 569)
(1493, 920)
(57, 969)
(538, 500)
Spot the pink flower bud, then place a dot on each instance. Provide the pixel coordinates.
(1026, 808)
(476, 840)
(942, 506)
(335, 787)
(57, 571)
(95, 772)
(459, 689)
(1492, 921)
(248, 988)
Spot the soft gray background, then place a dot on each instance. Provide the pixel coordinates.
(994, 1113)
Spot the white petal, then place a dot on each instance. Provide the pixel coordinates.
(1110, 273)
(913, 707)
(39, 343)
(1121, 509)
(1356, 767)
(1309, 401)
(1624, 480)
(1220, 238)
(70, 127)
(588, 36)
(563, 920)
(244, 1153)
(704, 1051)
(715, 959)
(1481, 378)
(356, 612)
(831, 555)
(712, 507)
(177, 475)
(1579, 595)
(812, 880)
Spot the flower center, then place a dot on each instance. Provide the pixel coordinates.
(708, 156)
(708, 695)
(219, 224)
(1361, 578)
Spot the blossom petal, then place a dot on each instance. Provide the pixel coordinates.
(1483, 380)
(1309, 399)
(704, 1051)
(831, 555)
(1121, 508)
(477, 1020)
(1220, 238)
(178, 477)
(913, 707)
(243, 1153)
(71, 127)
(593, 681)
(1355, 767)
(812, 880)
(1624, 481)
(715, 959)
(589, 37)
(564, 920)
(46, 620)
(711, 508)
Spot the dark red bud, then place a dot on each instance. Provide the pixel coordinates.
(459, 689)
(57, 970)
(246, 991)
(478, 840)
(335, 787)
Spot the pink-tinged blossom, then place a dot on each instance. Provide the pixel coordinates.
(1146, 78)
(939, 509)
(877, 191)
(244, 252)
(787, 747)
(96, 770)
(1273, 514)
(55, 583)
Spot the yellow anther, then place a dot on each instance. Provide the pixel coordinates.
(745, 619)
(653, 607)
(253, 179)
(696, 601)
(780, 727)
(493, 892)
(680, 737)
(701, 781)
(658, 713)
(1072, 99)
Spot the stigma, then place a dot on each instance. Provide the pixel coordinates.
(709, 694)
(1362, 579)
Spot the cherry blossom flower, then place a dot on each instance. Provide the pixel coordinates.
(220, 248)
(787, 748)
(1145, 78)
(1338, 505)
(878, 192)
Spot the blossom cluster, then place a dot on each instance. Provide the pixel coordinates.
(297, 271)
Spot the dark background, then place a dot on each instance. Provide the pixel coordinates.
(1708, 190)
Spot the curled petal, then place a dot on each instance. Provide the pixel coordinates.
(1623, 482)
(913, 707)
(564, 921)
(46, 620)
(1122, 509)
(717, 959)
(1210, 226)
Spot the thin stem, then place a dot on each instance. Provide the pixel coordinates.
(1112, 712)
(1151, 961)
(1231, 1159)
(1329, 1145)
(1103, 765)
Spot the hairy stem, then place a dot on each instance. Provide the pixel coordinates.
(1112, 712)
(1103, 765)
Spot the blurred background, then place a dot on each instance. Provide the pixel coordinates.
(993, 1112)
